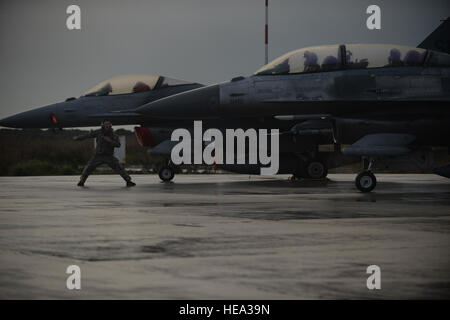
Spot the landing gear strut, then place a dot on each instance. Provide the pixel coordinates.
(166, 173)
(366, 181)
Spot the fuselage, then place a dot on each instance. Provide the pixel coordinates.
(363, 88)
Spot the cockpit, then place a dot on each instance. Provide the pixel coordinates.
(352, 56)
(132, 83)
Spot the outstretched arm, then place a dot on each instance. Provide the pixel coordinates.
(90, 134)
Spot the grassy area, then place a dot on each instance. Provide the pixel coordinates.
(44, 152)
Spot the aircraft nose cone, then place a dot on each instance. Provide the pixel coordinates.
(12, 122)
(198, 103)
(38, 118)
(4, 122)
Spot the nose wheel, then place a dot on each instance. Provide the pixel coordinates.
(366, 181)
(166, 173)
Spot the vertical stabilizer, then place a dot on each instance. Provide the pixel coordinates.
(439, 39)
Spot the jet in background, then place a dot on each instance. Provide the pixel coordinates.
(113, 99)
(388, 103)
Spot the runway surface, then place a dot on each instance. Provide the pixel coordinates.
(224, 237)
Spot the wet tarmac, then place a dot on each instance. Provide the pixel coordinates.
(224, 237)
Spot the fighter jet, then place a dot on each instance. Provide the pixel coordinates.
(114, 99)
(387, 104)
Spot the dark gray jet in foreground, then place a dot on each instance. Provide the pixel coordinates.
(389, 104)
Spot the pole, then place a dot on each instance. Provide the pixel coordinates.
(267, 33)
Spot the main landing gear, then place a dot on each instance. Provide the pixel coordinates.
(311, 169)
(167, 172)
(366, 181)
(316, 169)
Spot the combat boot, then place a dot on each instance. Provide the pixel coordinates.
(81, 182)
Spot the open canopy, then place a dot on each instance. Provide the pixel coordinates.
(132, 83)
(352, 56)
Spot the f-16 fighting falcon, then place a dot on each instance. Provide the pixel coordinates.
(104, 153)
(389, 104)
(122, 93)
(113, 99)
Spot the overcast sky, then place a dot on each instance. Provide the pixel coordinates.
(205, 41)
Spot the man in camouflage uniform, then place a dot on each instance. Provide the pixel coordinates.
(104, 153)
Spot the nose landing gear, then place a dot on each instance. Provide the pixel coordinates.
(366, 181)
(166, 173)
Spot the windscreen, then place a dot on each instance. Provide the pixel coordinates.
(124, 84)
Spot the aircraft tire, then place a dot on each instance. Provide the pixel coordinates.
(316, 169)
(365, 181)
(166, 173)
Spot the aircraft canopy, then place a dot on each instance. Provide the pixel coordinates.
(352, 56)
(132, 83)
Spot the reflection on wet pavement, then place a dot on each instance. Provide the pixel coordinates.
(224, 236)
